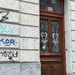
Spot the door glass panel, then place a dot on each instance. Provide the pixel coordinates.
(55, 36)
(50, 36)
(44, 35)
(53, 1)
(56, 4)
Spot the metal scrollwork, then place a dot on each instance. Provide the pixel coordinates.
(55, 36)
(44, 36)
(44, 39)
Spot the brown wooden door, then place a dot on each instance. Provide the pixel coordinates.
(52, 39)
(52, 45)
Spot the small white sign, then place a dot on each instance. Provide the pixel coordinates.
(50, 9)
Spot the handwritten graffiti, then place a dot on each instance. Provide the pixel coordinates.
(8, 42)
(3, 15)
(9, 54)
(6, 29)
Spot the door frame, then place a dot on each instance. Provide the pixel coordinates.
(63, 32)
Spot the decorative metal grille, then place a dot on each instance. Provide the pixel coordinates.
(44, 35)
(55, 36)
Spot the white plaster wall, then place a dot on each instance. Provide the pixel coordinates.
(6, 54)
(29, 8)
(68, 42)
(27, 19)
(12, 16)
(9, 29)
(29, 43)
(70, 35)
(9, 4)
(9, 42)
(32, 1)
(29, 56)
(19, 37)
(72, 12)
(29, 31)
(20, 32)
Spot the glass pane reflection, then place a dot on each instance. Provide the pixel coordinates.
(57, 4)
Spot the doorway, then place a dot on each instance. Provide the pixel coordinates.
(52, 39)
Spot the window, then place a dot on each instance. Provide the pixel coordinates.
(54, 6)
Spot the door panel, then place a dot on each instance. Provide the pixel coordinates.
(51, 69)
(46, 69)
(57, 69)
